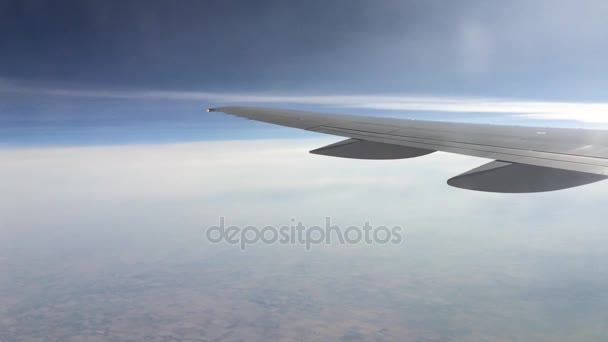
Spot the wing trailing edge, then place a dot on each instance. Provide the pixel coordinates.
(361, 149)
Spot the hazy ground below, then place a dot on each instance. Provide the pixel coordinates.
(108, 244)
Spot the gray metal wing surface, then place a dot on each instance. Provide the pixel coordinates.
(527, 159)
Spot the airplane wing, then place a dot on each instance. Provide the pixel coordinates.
(526, 159)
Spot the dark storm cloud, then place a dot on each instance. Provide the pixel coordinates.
(516, 48)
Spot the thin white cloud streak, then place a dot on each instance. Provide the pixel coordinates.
(592, 112)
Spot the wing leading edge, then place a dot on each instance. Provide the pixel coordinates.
(528, 159)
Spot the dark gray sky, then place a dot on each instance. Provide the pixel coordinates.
(514, 48)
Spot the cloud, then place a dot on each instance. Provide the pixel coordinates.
(93, 200)
(51, 180)
(104, 224)
(593, 112)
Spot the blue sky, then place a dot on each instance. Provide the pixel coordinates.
(82, 73)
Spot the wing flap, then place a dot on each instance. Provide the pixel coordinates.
(505, 177)
(361, 149)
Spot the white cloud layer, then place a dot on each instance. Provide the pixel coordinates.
(88, 218)
(593, 112)
(237, 177)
